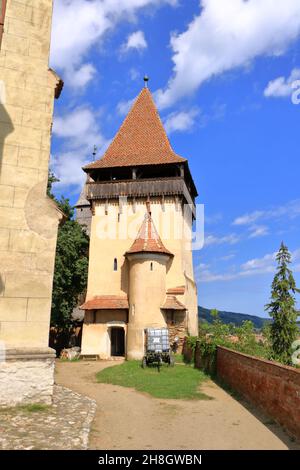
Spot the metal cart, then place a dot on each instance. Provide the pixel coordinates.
(157, 348)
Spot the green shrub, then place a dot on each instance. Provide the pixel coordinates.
(219, 334)
(191, 342)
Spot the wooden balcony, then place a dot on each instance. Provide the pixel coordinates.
(175, 186)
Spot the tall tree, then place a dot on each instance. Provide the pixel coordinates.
(282, 308)
(71, 264)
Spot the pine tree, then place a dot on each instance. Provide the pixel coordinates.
(282, 308)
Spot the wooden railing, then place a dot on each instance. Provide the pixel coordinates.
(140, 188)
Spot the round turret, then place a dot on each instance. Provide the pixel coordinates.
(148, 259)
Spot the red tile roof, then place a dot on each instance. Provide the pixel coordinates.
(176, 290)
(141, 140)
(171, 303)
(148, 240)
(106, 302)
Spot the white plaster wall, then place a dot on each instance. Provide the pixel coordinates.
(26, 381)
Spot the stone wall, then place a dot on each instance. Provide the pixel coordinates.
(272, 387)
(28, 375)
(176, 323)
(28, 218)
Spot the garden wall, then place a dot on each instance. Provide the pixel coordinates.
(272, 387)
(187, 351)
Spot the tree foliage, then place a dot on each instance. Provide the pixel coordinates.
(282, 308)
(71, 264)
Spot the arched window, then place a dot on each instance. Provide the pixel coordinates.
(115, 264)
(2, 15)
(151, 266)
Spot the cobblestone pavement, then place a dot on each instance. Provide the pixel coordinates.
(64, 425)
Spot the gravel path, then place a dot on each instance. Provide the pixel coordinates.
(64, 425)
(126, 419)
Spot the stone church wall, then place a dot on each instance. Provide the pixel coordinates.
(28, 218)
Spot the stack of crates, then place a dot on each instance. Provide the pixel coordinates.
(158, 340)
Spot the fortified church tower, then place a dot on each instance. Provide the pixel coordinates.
(140, 262)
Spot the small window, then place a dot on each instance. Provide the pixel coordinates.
(115, 264)
(151, 266)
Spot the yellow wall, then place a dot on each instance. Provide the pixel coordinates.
(28, 219)
(96, 331)
(113, 235)
(147, 292)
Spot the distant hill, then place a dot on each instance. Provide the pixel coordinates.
(232, 317)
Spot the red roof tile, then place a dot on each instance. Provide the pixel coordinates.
(171, 303)
(176, 290)
(141, 140)
(106, 302)
(148, 240)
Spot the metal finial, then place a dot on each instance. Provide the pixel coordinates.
(146, 80)
(94, 152)
(148, 206)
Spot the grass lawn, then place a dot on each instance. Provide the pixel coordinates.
(179, 382)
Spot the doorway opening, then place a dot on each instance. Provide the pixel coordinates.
(117, 341)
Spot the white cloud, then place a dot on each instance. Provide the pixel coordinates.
(123, 107)
(248, 218)
(221, 39)
(180, 121)
(253, 267)
(213, 219)
(78, 126)
(134, 74)
(231, 239)
(205, 275)
(282, 87)
(78, 131)
(67, 167)
(136, 41)
(79, 25)
(264, 264)
(81, 77)
(258, 231)
(290, 210)
(228, 257)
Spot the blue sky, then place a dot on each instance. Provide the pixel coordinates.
(222, 79)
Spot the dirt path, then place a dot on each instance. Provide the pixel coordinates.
(126, 419)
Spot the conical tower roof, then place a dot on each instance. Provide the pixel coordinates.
(141, 139)
(82, 201)
(148, 240)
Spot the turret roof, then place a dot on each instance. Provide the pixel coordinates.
(148, 240)
(172, 303)
(82, 201)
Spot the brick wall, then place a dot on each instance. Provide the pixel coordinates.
(272, 387)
